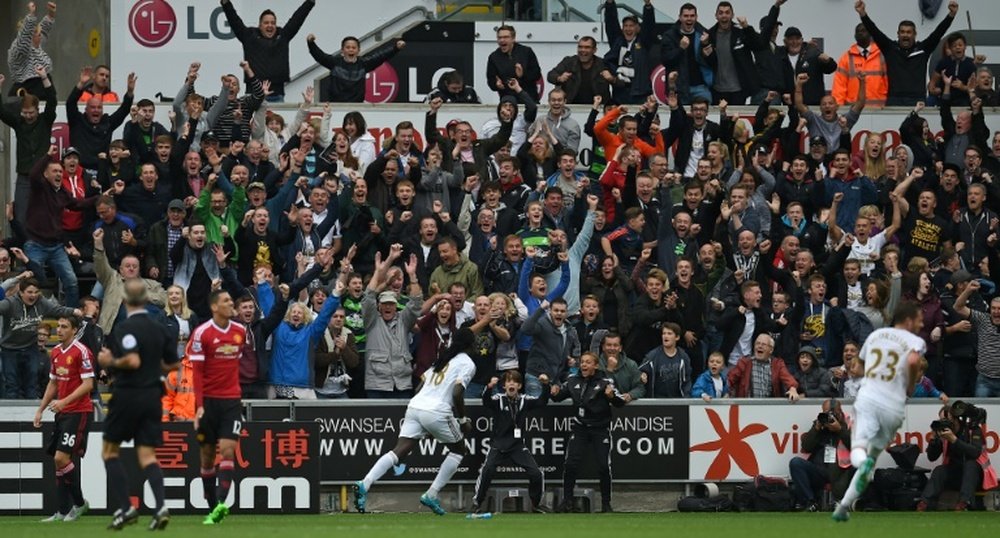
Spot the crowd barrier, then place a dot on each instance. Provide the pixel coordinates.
(291, 449)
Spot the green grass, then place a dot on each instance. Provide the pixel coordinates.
(619, 525)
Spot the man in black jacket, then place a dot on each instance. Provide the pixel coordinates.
(593, 394)
(33, 131)
(736, 78)
(961, 444)
(509, 411)
(90, 131)
(798, 57)
(512, 60)
(827, 442)
(906, 58)
(266, 45)
(629, 57)
(583, 76)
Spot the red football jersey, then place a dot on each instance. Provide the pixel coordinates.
(215, 356)
(70, 367)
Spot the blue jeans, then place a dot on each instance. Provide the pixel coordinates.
(275, 98)
(55, 256)
(20, 374)
(986, 387)
(532, 386)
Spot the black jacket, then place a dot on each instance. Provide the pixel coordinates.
(502, 65)
(593, 407)
(268, 57)
(32, 138)
(641, 55)
(682, 130)
(742, 43)
(347, 79)
(90, 139)
(509, 414)
(810, 64)
(907, 68)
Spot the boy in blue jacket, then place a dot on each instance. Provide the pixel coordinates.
(711, 383)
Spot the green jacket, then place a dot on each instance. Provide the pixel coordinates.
(627, 377)
(464, 272)
(232, 217)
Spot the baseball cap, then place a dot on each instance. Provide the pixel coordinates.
(209, 136)
(817, 141)
(792, 31)
(960, 276)
(70, 151)
(387, 297)
(176, 204)
(953, 167)
(256, 185)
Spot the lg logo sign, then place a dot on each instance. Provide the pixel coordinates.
(152, 22)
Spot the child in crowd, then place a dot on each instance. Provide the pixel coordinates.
(925, 387)
(711, 383)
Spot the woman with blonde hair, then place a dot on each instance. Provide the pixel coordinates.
(186, 320)
(871, 160)
(512, 314)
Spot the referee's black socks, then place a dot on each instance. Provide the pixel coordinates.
(154, 474)
(119, 482)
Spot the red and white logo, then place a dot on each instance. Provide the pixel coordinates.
(152, 22)
(382, 85)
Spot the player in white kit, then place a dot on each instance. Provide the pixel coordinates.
(891, 358)
(437, 411)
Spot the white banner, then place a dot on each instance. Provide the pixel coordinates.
(738, 442)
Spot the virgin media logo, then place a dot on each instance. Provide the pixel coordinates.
(152, 22)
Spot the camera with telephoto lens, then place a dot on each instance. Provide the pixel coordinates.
(968, 413)
(939, 426)
(825, 418)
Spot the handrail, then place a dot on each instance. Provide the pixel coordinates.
(488, 5)
(567, 9)
(372, 34)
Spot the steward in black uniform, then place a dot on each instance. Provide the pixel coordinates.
(593, 395)
(509, 410)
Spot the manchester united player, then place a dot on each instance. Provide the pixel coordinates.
(215, 349)
(71, 378)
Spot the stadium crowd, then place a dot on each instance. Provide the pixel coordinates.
(701, 255)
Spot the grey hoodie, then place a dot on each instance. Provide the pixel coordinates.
(565, 129)
(20, 321)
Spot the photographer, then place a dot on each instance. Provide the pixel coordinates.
(828, 444)
(958, 437)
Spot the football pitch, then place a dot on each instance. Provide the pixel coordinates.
(618, 525)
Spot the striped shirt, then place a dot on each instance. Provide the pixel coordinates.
(988, 340)
(22, 56)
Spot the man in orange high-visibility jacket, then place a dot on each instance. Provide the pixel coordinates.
(865, 57)
(178, 399)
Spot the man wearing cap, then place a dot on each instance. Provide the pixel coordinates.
(769, 67)
(79, 186)
(629, 57)
(90, 131)
(162, 236)
(388, 371)
(906, 58)
(796, 58)
(149, 197)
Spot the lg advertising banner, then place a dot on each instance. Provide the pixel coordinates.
(738, 442)
(649, 443)
(277, 470)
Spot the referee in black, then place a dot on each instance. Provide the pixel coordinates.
(138, 353)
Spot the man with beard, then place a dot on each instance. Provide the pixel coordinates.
(195, 267)
(906, 59)
(257, 245)
(584, 76)
(862, 58)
